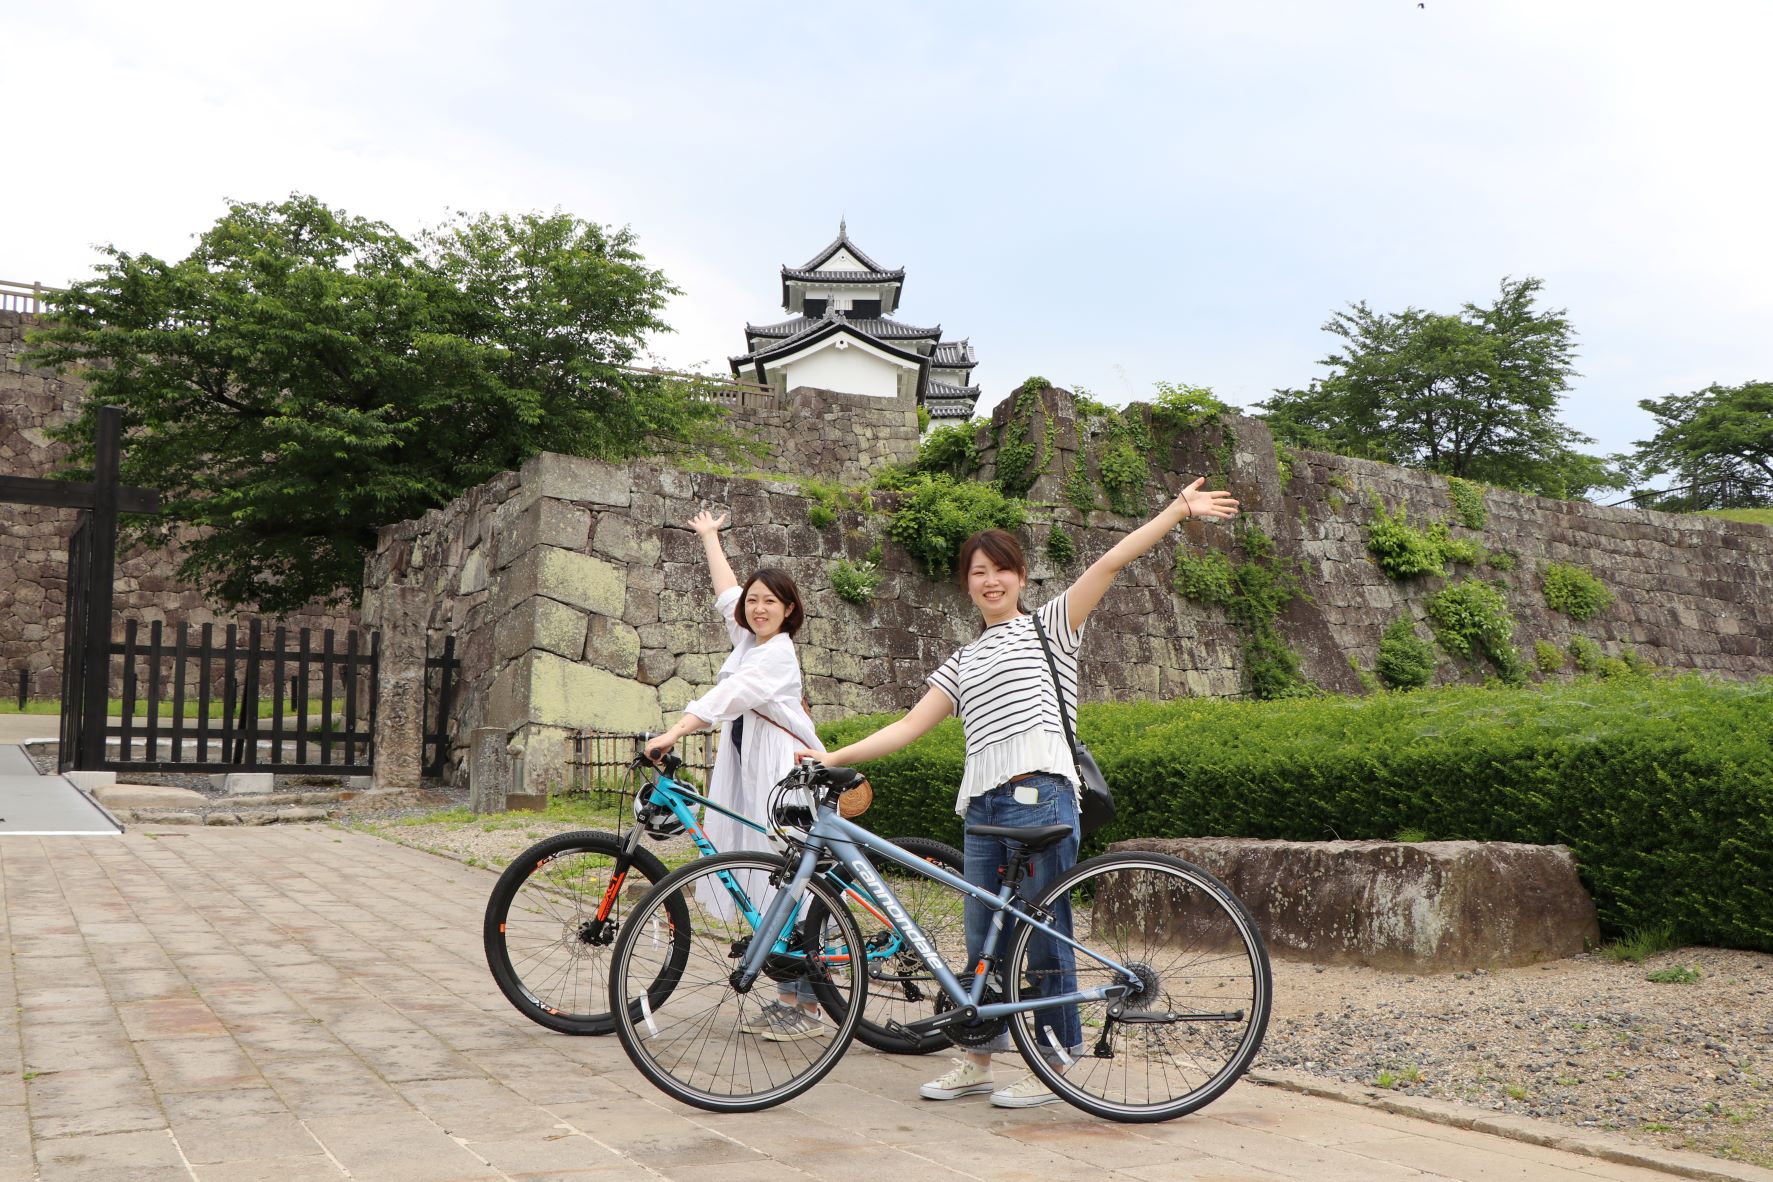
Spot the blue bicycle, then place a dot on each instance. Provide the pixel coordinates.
(558, 908)
(1136, 986)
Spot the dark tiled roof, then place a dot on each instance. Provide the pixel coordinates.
(810, 276)
(816, 329)
(841, 242)
(944, 390)
(960, 408)
(880, 326)
(954, 355)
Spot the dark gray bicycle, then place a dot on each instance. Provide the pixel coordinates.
(1153, 1004)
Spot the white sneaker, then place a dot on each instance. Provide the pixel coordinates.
(762, 1020)
(965, 1078)
(1030, 1091)
(792, 1023)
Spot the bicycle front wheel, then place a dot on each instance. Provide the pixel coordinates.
(698, 1038)
(551, 920)
(901, 988)
(1195, 1016)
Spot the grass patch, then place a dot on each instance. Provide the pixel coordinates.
(1674, 974)
(1639, 943)
(586, 810)
(1753, 516)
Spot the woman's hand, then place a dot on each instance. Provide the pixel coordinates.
(1195, 501)
(706, 524)
(658, 745)
(801, 753)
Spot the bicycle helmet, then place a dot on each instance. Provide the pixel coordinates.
(658, 821)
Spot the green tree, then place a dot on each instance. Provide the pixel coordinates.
(1717, 443)
(303, 376)
(1473, 395)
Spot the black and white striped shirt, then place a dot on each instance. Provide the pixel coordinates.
(1003, 691)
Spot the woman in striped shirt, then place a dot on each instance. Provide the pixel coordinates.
(1019, 770)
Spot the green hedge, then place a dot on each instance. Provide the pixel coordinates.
(1663, 788)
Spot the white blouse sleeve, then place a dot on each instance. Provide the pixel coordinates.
(768, 672)
(723, 607)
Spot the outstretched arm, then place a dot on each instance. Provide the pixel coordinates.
(1193, 501)
(708, 527)
(931, 709)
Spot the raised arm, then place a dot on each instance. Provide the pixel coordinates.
(708, 527)
(1090, 586)
(931, 709)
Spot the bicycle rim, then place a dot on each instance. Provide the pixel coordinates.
(551, 921)
(702, 1041)
(1198, 1017)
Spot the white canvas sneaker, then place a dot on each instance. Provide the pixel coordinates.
(1030, 1091)
(965, 1078)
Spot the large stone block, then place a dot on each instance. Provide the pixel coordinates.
(613, 645)
(540, 623)
(576, 579)
(545, 689)
(544, 522)
(626, 542)
(1432, 906)
(574, 478)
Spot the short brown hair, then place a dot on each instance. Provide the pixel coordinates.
(1000, 546)
(782, 586)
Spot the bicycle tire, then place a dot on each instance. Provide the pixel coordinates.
(1206, 994)
(546, 955)
(691, 1045)
(900, 987)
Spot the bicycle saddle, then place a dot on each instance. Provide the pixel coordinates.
(1035, 837)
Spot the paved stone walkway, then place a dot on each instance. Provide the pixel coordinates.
(306, 1003)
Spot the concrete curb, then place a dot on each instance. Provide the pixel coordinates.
(1517, 1128)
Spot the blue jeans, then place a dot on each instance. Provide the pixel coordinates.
(1052, 965)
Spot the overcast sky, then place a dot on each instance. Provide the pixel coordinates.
(1107, 194)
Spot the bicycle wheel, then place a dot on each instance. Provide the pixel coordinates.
(551, 920)
(704, 1042)
(1195, 1021)
(900, 988)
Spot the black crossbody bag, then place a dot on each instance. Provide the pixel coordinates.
(1095, 802)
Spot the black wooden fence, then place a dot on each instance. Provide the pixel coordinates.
(241, 704)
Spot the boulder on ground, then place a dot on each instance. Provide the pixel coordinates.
(1431, 906)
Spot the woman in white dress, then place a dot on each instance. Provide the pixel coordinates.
(758, 701)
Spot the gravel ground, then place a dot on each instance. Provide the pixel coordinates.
(1587, 1042)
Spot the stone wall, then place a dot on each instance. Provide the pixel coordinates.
(832, 436)
(579, 599)
(33, 541)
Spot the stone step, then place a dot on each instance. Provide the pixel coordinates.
(224, 815)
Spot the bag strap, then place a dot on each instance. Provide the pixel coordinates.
(1058, 686)
(784, 729)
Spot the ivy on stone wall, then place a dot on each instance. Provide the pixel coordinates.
(937, 513)
(1406, 661)
(1403, 551)
(1254, 592)
(1061, 550)
(855, 582)
(1574, 591)
(1471, 619)
(1017, 465)
(1468, 503)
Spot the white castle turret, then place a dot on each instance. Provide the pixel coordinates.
(841, 336)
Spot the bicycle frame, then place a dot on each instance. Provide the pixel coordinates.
(845, 840)
(681, 801)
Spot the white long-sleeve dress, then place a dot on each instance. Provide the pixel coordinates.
(757, 681)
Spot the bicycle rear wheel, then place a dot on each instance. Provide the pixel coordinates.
(1195, 1020)
(703, 1041)
(901, 988)
(550, 923)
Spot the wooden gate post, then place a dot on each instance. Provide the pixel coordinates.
(400, 696)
